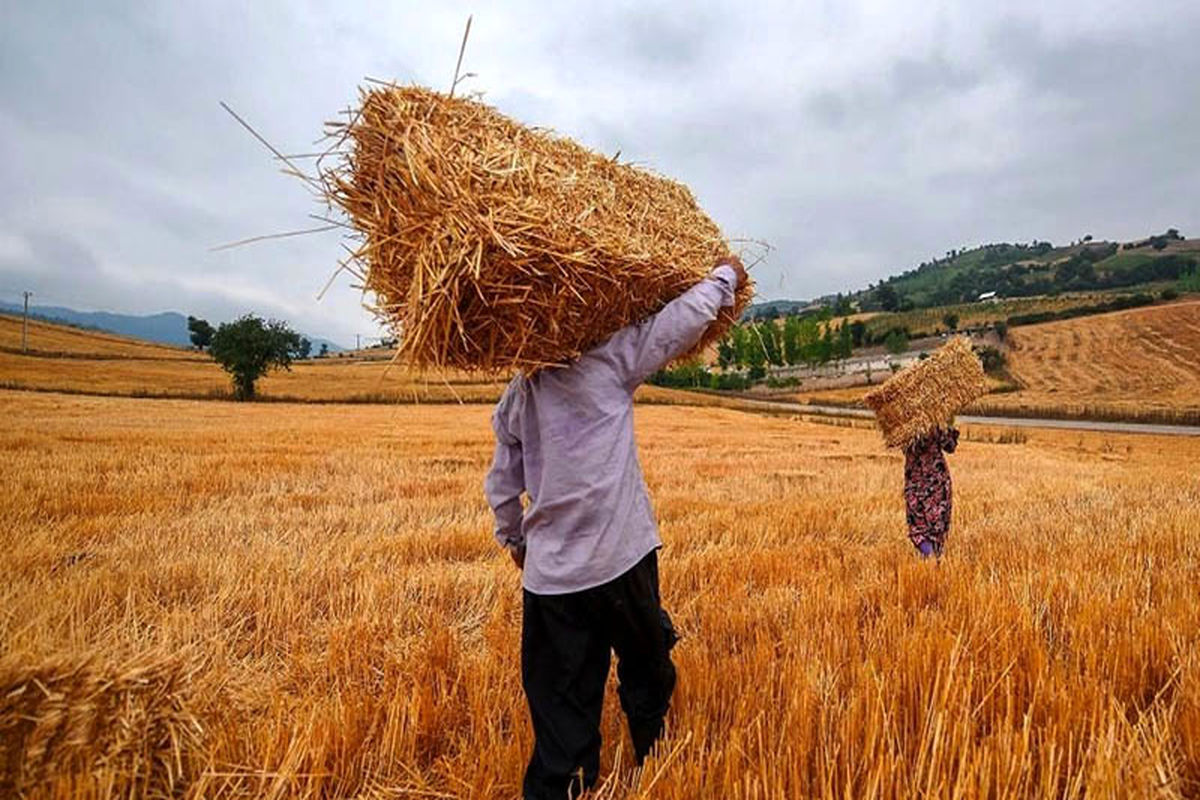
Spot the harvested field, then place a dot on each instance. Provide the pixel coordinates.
(312, 599)
(50, 339)
(1143, 360)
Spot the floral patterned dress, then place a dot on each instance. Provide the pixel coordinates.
(927, 490)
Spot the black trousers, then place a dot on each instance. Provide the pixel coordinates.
(565, 644)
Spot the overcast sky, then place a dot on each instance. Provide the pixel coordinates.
(858, 138)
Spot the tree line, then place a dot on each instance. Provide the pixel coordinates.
(809, 341)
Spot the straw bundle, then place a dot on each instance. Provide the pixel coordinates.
(490, 245)
(125, 729)
(927, 395)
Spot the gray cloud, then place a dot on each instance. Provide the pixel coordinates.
(858, 138)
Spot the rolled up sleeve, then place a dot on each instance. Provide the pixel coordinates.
(639, 351)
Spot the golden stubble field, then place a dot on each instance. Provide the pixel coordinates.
(1144, 360)
(213, 600)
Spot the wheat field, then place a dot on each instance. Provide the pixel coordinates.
(1144, 360)
(273, 600)
(58, 340)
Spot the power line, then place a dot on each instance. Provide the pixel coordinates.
(25, 324)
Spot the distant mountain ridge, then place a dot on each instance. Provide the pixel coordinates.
(168, 327)
(1016, 270)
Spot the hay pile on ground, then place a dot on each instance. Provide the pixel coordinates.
(927, 395)
(490, 245)
(72, 726)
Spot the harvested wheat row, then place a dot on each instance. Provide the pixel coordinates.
(927, 395)
(121, 729)
(489, 245)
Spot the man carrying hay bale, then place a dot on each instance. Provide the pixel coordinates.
(915, 410)
(588, 542)
(490, 246)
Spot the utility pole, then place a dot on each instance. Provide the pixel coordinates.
(358, 341)
(25, 325)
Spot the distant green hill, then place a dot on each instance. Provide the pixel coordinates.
(1037, 268)
(169, 327)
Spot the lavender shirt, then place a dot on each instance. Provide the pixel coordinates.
(565, 437)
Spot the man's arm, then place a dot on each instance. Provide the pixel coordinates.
(503, 486)
(638, 351)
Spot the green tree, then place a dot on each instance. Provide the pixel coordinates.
(768, 332)
(845, 341)
(810, 341)
(324, 350)
(858, 332)
(726, 353)
(200, 332)
(887, 297)
(1190, 281)
(304, 349)
(741, 345)
(950, 320)
(993, 360)
(825, 346)
(754, 353)
(896, 341)
(791, 340)
(250, 347)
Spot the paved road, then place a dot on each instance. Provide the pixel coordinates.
(1013, 422)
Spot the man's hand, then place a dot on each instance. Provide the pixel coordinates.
(738, 267)
(518, 556)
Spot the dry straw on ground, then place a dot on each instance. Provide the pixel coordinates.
(360, 630)
(927, 395)
(490, 245)
(70, 720)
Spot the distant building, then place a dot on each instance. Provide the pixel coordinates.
(988, 297)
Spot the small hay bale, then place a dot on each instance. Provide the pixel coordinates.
(118, 729)
(491, 246)
(927, 395)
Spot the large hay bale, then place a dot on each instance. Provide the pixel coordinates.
(490, 245)
(71, 724)
(926, 396)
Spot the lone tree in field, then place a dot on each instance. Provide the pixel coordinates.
(200, 332)
(249, 347)
(950, 320)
